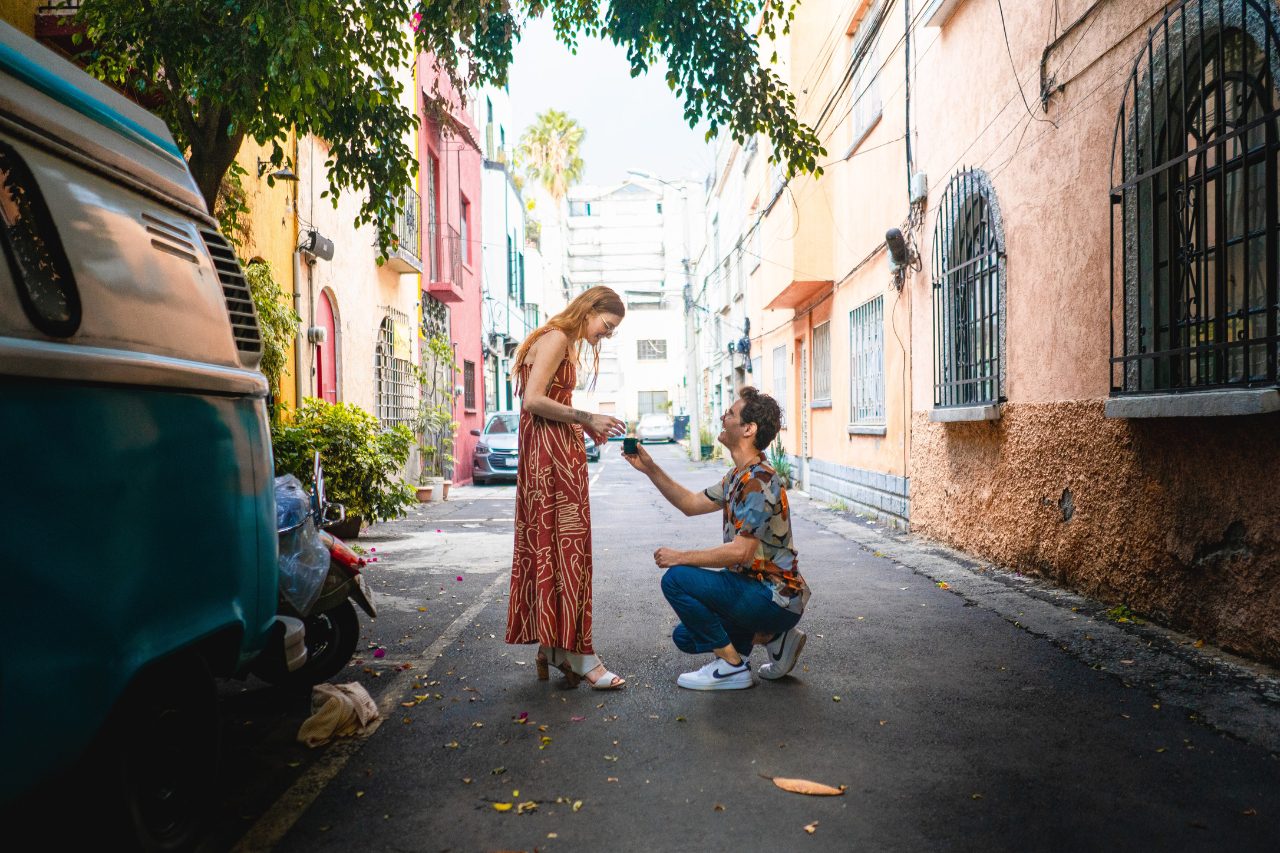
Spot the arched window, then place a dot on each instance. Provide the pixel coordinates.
(968, 295)
(393, 372)
(1194, 219)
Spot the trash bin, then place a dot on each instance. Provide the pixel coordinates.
(681, 427)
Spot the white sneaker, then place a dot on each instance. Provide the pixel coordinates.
(783, 651)
(718, 675)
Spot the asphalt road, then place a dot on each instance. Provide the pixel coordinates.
(953, 720)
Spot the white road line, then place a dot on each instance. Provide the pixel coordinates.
(284, 813)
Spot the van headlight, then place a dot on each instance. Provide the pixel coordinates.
(482, 449)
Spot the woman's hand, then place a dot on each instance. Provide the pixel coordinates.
(602, 427)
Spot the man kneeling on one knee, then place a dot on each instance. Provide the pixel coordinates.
(755, 595)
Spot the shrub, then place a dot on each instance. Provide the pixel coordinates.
(362, 462)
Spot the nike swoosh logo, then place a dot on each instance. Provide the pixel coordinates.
(718, 674)
(782, 648)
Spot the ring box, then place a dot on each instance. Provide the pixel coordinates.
(630, 446)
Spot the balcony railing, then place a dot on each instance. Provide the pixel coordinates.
(406, 255)
(446, 284)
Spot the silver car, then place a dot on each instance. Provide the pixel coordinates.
(656, 427)
(497, 453)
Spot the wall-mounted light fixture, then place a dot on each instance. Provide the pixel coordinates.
(284, 173)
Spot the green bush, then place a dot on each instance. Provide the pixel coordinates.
(362, 462)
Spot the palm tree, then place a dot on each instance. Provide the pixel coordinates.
(549, 153)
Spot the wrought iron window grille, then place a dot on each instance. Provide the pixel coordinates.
(968, 295)
(394, 385)
(1195, 234)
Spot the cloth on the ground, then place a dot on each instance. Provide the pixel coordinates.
(338, 710)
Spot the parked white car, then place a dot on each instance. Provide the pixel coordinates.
(656, 427)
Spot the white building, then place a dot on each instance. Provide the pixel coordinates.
(639, 238)
(509, 312)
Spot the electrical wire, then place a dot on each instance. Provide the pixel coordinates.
(1009, 51)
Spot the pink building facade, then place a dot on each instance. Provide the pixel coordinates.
(449, 186)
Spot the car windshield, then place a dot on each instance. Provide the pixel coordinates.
(653, 420)
(506, 422)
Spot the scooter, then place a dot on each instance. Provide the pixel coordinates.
(320, 577)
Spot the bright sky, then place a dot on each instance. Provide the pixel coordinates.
(631, 123)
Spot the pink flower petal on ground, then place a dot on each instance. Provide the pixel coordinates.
(459, 577)
(378, 653)
(438, 530)
(524, 715)
(577, 719)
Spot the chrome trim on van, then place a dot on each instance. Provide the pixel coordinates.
(59, 361)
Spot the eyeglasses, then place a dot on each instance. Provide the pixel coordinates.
(608, 328)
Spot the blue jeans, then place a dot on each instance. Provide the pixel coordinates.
(717, 608)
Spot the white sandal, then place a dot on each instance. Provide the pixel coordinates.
(589, 663)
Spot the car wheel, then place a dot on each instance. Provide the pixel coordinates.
(479, 481)
(161, 751)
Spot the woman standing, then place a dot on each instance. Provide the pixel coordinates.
(551, 567)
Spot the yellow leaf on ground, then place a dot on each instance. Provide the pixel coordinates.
(811, 828)
(804, 786)
(528, 806)
(502, 807)
(577, 805)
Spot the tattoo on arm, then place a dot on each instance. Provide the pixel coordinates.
(580, 417)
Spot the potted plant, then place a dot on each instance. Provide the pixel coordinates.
(707, 442)
(362, 462)
(436, 426)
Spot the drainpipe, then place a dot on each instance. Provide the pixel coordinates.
(301, 338)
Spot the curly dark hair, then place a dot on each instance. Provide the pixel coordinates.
(763, 411)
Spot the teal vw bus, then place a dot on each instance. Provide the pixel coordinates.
(136, 492)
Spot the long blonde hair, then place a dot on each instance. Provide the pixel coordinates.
(573, 322)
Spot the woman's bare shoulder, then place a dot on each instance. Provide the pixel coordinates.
(552, 341)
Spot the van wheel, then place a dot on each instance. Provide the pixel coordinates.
(164, 753)
(331, 642)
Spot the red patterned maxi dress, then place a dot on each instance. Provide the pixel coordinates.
(551, 566)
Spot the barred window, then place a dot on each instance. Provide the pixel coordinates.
(780, 379)
(866, 363)
(822, 363)
(393, 373)
(1194, 230)
(468, 384)
(968, 295)
(654, 350)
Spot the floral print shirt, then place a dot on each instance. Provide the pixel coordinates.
(755, 504)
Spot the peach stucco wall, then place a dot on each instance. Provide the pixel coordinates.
(1174, 517)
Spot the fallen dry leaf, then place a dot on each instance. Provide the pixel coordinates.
(811, 828)
(804, 786)
(577, 805)
(529, 806)
(718, 807)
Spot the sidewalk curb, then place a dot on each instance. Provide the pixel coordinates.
(1236, 696)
